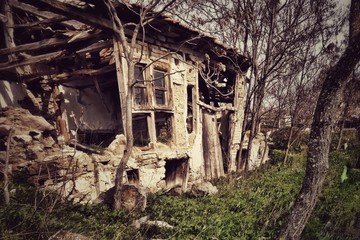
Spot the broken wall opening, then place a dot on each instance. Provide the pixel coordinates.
(176, 172)
(92, 110)
(190, 114)
(133, 176)
(141, 129)
(163, 126)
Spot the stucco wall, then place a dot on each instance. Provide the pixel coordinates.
(10, 94)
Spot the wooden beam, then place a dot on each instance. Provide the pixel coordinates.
(46, 43)
(41, 22)
(95, 47)
(33, 60)
(215, 109)
(82, 73)
(79, 14)
(33, 10)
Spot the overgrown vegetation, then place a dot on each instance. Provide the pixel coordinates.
(249, 207)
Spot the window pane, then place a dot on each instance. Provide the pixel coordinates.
(139, 73)
(163, 125)
(140, 130)
(140, 95)
(159, 77)
(160, 97)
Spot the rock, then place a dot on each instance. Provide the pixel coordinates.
(48, 142)
(175, 191)
(4, 130)
(31, 154)
(36, 135)
(133, 198)
(23, 119)
(202, 189)
(25, 139)
(118, 145)
(66, 235)
(144, 221)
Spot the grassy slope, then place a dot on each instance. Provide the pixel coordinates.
(252, 207)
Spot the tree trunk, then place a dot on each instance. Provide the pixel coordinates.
(288, 145)
(129, 138)
(325, 117)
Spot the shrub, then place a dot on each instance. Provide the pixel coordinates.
(280, 138)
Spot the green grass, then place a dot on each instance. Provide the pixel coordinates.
(254, 206)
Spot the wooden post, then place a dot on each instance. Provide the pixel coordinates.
(236, 122)
(121, 81)
(213, 160)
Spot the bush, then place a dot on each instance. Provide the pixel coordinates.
(280, 138)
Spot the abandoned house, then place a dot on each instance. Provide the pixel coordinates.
(60, 61)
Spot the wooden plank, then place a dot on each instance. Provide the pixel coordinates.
(79, 14)
(87, 72)
(33, 60)
(41, 22)
(95, 47)
(33, 10)
(47, 43)
(34, 46)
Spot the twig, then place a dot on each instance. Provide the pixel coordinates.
(6, 169)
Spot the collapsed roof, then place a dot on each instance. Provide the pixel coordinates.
(68, 41)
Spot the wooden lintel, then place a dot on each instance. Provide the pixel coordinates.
(78, 14)
(33, 60)
(215, 109)
(65, 77)
(95, 47)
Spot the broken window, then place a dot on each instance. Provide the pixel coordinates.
(141, 130)
(175, 172)
(140, 93)
(189, 116)
(160, 87)
(163, 125)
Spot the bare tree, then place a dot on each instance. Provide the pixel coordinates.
(325, 118)
(146, 13)
(272, 34)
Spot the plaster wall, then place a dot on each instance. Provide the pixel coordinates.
(90, 110)
(10, 94)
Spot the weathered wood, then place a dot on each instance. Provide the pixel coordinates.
(41, 22)
(95, 47)
(46, 43)
(31, 9)
(213, 161)
(236, 122)
(121, 80)
(33, 60)
(78, 14)
(78, 74)
(34, 46)
(215, 109)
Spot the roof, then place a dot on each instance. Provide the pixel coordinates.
(52, 34)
